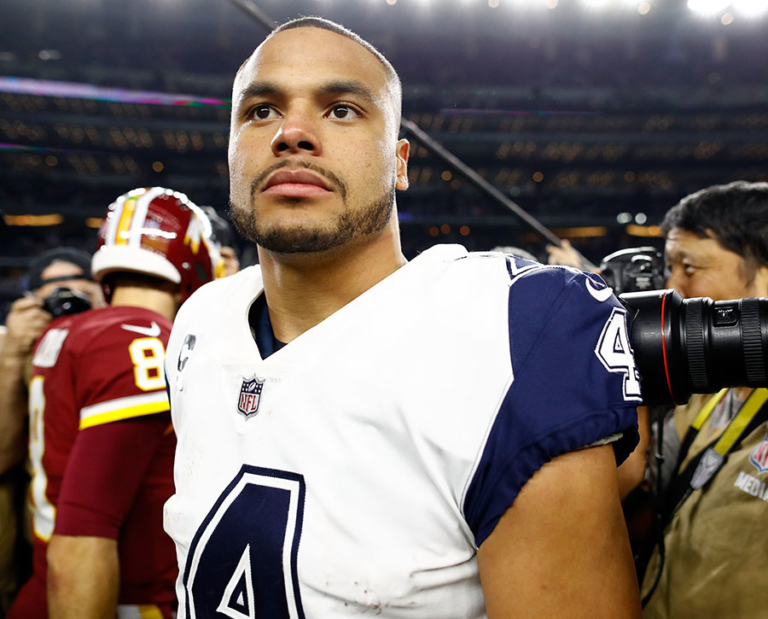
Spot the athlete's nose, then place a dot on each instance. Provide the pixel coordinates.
(297, 134)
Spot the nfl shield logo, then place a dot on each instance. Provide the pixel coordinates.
(759, 457)
(250, 396)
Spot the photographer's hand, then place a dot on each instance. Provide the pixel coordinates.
(25, 322)
(565, 255)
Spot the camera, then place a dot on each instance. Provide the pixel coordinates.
(686, 346)
(65, 301)
(634, 270)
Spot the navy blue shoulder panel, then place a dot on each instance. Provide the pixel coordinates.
(562, 396)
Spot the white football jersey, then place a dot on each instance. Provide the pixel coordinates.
(358, 469)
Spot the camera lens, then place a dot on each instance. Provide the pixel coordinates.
(696, 345)
(64, 302)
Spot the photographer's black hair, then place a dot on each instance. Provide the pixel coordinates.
(72, 255)
(222, 230)
(735, 215)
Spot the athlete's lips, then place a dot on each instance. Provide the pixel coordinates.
(296, 183)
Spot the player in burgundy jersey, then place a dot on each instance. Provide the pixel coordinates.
(101, 442)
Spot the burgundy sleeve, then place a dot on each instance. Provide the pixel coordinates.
(104, 472)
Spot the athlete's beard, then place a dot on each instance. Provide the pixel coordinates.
(305, 239)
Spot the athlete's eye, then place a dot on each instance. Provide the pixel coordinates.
(343, 112)
(263, 112)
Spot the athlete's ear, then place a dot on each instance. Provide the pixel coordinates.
(403, 149)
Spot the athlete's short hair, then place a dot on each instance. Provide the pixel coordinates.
(393, 79)
(327, 24)
(735, 215)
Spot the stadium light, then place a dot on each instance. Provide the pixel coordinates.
(641, 6)
(535, 5)
(34, 220)
(751, 8)
(595, 5)
(708, 8)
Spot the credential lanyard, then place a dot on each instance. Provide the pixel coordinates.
(705, 466)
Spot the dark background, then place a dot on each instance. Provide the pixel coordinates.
(594, 120)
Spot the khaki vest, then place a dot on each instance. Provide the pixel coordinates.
(717, 544)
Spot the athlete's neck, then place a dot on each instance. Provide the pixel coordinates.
(158, 301)
(302, 290)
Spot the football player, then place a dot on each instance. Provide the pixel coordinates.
(101, 443)
(359, 434)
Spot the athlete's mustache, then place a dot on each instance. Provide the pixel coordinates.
(335, 180)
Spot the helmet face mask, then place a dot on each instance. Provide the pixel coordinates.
(161, 233)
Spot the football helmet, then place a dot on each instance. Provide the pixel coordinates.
(158, 232)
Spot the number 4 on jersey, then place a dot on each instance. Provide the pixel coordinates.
(242, 563)
(615, 353)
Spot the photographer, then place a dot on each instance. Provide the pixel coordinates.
(63, 267)
(712, 559)
(51, 270)
(225, 236)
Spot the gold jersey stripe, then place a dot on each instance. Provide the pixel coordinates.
(150, 408)
(150, 611)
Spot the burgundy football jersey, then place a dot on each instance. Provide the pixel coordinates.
(91, 369)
